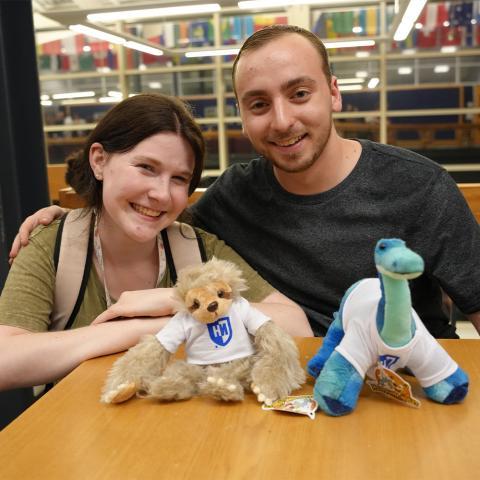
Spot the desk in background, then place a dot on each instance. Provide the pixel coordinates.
(68, 434)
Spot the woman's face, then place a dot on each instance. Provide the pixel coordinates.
(145, 189)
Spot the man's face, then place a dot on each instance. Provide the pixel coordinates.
(285, 102)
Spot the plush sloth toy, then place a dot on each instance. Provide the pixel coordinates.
(230, 346)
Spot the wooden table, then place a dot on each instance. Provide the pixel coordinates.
(68, 434)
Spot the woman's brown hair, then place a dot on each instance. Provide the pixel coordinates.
(126, 125)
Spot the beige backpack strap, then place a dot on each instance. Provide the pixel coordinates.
(73, 260)
(183, 247)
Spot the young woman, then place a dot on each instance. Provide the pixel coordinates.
(136, 171)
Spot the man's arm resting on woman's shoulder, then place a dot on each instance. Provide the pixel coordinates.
(44, 216)
(28, 358)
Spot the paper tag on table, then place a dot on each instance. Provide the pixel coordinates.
(393, 386)
(301, 404)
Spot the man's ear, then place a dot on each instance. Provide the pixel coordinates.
(336, 96)
(98, 159)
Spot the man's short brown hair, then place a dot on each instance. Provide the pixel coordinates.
(272, 32)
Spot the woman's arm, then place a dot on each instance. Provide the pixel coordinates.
(28, 358)
(285, 313)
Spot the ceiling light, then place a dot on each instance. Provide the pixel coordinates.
(361, 74)
(212, 53)
(357, 29)
(441, 69)
(44, 97)
(448, 49)
(109, 100)
(347, 88)
(153, 12)
(409, 18)
(46, 103)
(409, 51)
(115, 93)
(155, 85)
(350, 44)
(362, 54)
(405, 70)
(263, 4)
(346, 81)
(62, 96)
(92, 32)
(373, 82)
(143, 48)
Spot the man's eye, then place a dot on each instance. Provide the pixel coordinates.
(302, 94)
(258, 105)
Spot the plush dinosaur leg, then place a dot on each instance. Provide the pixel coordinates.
(338, 386)
(333, 337)
(451, 390)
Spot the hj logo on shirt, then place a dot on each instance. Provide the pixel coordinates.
(220, 331)
(388, 360)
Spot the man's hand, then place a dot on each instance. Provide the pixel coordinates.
(44, 216)
(157, 302)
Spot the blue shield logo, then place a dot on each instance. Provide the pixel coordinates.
(220, 331)
(388, 360)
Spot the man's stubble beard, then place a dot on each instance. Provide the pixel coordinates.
(289, 165)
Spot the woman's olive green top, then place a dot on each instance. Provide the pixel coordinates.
(28, 295)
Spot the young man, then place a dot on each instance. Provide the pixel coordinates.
(308, 213)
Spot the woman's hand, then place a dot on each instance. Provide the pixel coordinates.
(156, 302)
(44, 216)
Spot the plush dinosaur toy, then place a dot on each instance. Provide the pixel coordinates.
(376, 324)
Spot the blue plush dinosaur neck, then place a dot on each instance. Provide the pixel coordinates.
(396, 264)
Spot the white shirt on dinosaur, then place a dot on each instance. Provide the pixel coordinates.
(363, 347)
(224, 340)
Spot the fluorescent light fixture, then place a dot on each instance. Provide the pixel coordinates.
(441, 69)
(357, 29)
(347, 81)
(373, 82)
(261, 4)
(44, 97)
(449, 49)
(46, 103)
(350, 44)
(361, 74)
(348, 88)
(409, 51)
(109, 100)
(143, 48)
(92, 32)
(409, 18)
(155, 85)
(69, 95)
(153, 12)
(362, 54)
(212, 53)
(418, 26)
(115, 93)
(405, 70)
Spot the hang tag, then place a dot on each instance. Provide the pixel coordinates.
(392, 385)
(301, 404)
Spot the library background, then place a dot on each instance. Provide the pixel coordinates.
(421, 92)
(408, 71)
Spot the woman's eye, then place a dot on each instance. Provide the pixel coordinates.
(181, 179)
(145, 166)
